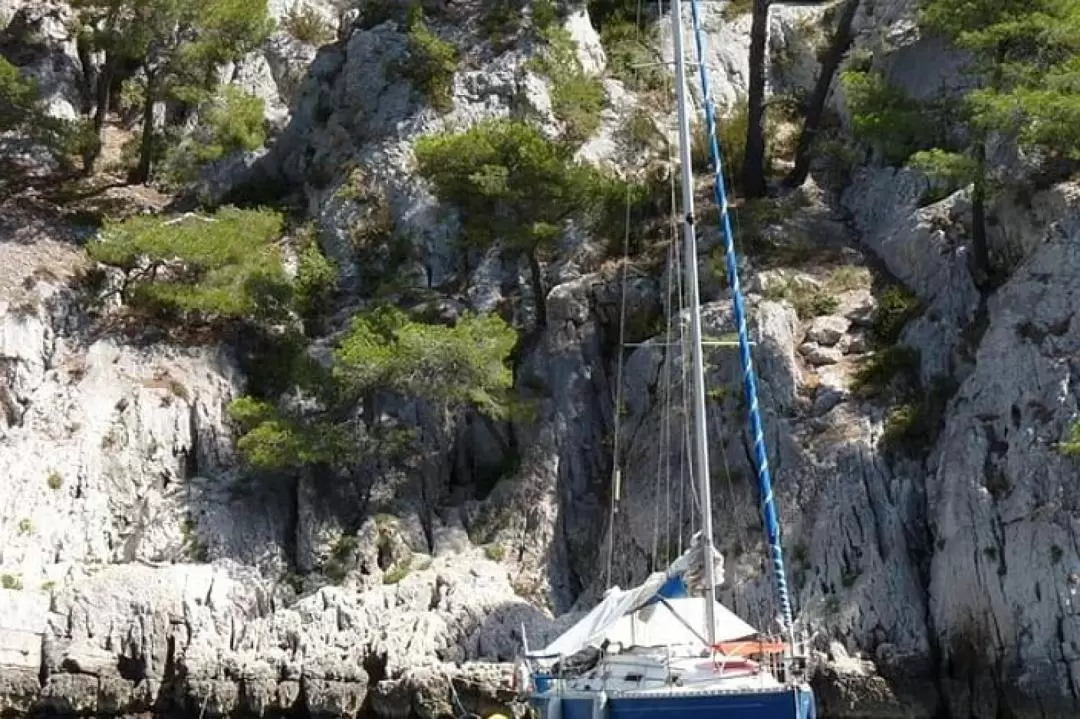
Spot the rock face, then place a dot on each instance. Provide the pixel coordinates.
(138, 573)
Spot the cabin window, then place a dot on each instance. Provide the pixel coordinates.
(634, 677)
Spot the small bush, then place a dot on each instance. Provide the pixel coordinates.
(308, 26)
(808, 300)
(10, 581)
(26, 526)
(882, 115)
(316, 277)
(848, 277)
(398, 572)
(577, 99)
(896, 307)
(736, 9)
(948, 171)
(731, 139)
(1071, 446)
(913, 426)
(432, 63)
(234, 122)
(890, 368)
(502, 21)
(54, 481)
(224, 266)
(495, 552)
(631, 58)
(640, 133)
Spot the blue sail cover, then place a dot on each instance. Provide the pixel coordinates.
(673, 588)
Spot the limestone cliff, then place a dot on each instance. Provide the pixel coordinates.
(139, 571)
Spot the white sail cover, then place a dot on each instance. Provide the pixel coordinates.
(618, 619)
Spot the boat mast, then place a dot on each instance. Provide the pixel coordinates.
(701, 449)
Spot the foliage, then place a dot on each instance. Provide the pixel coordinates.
(736, 9)
(235, 122)
(306, 25)
(502, 21)
(178, 43)
(431, 63)
(385, 350)
(18, 98)
(1071, 446)
(508, 181)
(21, 111)
(884, 116)
(948, 170)
(577, 98)
(731, 139)
(913, 426)
(316, 276)
(808, 299)
(896, 306)
(626, 36)
(453, 367)
(273, 440)
(887, 368)
(640, 133)
(225, 266)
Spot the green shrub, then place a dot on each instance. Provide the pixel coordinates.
(233, 122)
(398, 572)
(949, 171)
(431, 64)
(316, 277)
(892, 368)
(308, 26)
(913, 426)
(19, 98)
(224, 266)
(808, 300)
(508, 181)
(885, 117)
(896, 307)
(502, 21)
(1071, 446)
(736, 9)
(577, 99)
(731, 138)
(641, 134)
(631, 57)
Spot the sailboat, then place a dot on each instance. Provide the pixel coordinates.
(657, 649)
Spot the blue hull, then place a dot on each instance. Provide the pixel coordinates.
(780, 704)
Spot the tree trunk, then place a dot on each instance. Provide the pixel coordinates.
(980, 248)
(536, 274)
(102, 100)
(753, 174)
(146, 149)
(815, 107)
(104, 92)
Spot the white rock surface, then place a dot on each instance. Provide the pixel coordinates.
(146, 576)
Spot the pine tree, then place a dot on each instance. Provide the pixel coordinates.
(1027, 59)
(511, 183)
(179, 44)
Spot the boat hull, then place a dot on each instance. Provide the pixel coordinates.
(785, 703)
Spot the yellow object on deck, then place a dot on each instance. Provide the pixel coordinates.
(497, 716)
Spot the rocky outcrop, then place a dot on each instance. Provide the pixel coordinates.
(139, 573)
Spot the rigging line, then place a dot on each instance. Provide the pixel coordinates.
(664, 476)
(616, 479)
